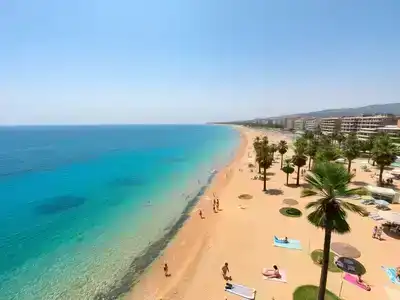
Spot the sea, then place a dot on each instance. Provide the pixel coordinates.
(85, 209)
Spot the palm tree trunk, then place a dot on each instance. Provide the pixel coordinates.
(324, 270)
(349, 166)
(380, 175)
(309, 164)
(281, 161)
(259, 169)
(265, 180)
(287, 178)
(298, 175)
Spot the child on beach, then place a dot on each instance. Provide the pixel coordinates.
(225, 271)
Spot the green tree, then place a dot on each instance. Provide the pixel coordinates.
(327, 152)
(282, 148)
(340, 138)
(256, 146)
(308, 135)
(273, 148)
(299, 159)
(265, 159)
(383, 153)
(351, 149)
(329, 181)
(311, 151)
(288, 169)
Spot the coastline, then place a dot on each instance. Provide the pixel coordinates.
(184, 243)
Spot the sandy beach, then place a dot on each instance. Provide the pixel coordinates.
(242, 235)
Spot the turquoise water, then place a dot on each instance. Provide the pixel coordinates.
(80, 204)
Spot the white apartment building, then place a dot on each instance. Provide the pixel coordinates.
(392, 130)
(368, 125)
(289, 123)
(298, 124)
(330, 125)
(350, 124)
(311, 124)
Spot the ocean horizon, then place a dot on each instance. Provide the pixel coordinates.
(85, 209)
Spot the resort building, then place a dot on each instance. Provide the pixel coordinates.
(330, 125)
(311, 124)
(368, 125)
(298, 124)
(393, 131)
(289, 123)
(350, 124)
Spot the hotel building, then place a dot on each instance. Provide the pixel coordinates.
(311, 124)
(298, 124)
(330, 126)
(368, 125)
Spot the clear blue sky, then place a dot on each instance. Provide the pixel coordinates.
(170, 61)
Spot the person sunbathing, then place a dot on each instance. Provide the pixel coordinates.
(398, 273)
(360, 281)
(284, 240)
(272, 273)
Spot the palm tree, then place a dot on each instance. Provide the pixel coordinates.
(327, 151)
(299, 159)
(329, 181)
(256, 146)
(308, 135)
(282, 148)
(383, 153)
(351, 149)
(311, 151)
(265, 159)
(288, 169)
(340, 138)
(273, 148)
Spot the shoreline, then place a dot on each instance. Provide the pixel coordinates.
(186, 237)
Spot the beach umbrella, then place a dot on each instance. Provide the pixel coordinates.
(390, 216)
(350, 265)
(290, 202)
(346, 250)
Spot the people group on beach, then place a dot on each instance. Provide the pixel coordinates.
(377, 232)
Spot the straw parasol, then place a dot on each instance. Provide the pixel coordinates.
(346, 250)
(290, 202)
(390, 216)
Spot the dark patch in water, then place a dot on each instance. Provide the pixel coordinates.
(128, 182)
(140, 263)
(58, 204)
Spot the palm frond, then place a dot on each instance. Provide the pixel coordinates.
(353, 207)
(308, 192)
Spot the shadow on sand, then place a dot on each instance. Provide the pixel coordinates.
(274, 192)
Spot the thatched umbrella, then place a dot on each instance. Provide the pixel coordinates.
(290, 202)
(346, 250)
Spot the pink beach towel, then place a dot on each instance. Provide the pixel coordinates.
(353, 280)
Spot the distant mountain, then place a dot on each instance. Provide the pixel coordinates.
(391, 108)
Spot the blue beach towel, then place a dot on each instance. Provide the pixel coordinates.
(293, 244)
(391, 273)
(242, 291)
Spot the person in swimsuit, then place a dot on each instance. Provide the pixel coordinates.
(225, 271)
(272, 273)
(285, 240)
(362, 282)
(166, 270)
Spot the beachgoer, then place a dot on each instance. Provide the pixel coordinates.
(379, 233)
(272, 273)
(398, 273)
(166, 270)
(201, 214)
(285, 240)
(217, 204)
(374, 232)
(225, 271)
(362, 282)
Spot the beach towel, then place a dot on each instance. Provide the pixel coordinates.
(283, 278)
(353, 280)
(391, 273)
(242, 291)
(293, 244)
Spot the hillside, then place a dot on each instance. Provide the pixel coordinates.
(391, 108)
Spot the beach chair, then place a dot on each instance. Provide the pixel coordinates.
(293, 244)
(375, 217)
(242, 291)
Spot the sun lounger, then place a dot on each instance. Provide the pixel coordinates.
(391, 273)
(283, 278)
(242, 291)
(292, 244)
(375, 217)
(353, 280)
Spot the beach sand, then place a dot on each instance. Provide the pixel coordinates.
(242, 235)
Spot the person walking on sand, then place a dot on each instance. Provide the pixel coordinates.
(201, 214)
(225, 271)
(379, 233)
(166, 270)
(217, 204)
(374, 232)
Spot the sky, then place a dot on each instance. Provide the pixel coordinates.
(193, 61)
